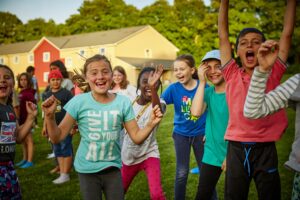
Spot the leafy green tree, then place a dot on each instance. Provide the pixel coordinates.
(9, 24)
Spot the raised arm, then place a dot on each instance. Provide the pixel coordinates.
(288, 28)
(153, 83)
(138, 135)
(198, 105)
(223, 32)
(56, 133)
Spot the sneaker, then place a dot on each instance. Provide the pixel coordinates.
(27, 165)
(195, 170)
(62, 179)
(22, 162)
(51, 155)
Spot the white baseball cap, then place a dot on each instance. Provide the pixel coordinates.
(214, 54)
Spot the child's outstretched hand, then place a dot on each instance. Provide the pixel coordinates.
(31, 109)
(267, 55)
(156, 116)
(202, 69)
(155, 76)
(49, 106)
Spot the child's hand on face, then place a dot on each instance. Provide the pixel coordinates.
(202, 69)
(156, 116)
(31, 109)
(49, 106)
(267, 55)
(155, 76)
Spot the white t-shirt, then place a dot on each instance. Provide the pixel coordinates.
(133, 153)
(67, 83)
(129, 92)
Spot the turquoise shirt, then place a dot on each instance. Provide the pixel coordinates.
(99, 126)
(215, 146)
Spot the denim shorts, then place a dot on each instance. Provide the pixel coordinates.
(64, 148)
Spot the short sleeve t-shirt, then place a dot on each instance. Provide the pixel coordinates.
(184, 123)
(216, 123)
(8, 126)
(99, 126)
(133, 153)
(241, 129)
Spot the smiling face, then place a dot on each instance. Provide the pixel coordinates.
(247, 50)
(118, 77)
(55, 84)
(99, 77)
(183, 72)
(214, 74)
(144, 87)
(23, 81)
(6, 84)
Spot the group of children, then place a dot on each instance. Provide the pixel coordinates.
(215, 121)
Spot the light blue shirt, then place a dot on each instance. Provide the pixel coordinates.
(99, 126)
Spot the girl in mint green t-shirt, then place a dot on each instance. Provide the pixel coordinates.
(100, 116)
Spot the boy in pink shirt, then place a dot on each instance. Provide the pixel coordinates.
(251, 149)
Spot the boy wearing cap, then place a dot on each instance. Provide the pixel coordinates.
(213, 100)
(251, 151)
(63, 150)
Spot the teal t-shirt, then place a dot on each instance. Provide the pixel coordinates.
(99, 126)
(215, 146)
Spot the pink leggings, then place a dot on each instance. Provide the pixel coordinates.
(152, 168)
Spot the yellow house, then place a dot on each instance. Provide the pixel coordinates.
(132, 48)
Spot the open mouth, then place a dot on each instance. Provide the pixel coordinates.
(250, 56)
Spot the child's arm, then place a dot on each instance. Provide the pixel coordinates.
(23, 130)
(258, 104)
(138, 135)
(225, 47)
(198, 105)
(288, 28)
(56, 133)
(153, 81)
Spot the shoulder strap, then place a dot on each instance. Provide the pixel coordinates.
(142, 110)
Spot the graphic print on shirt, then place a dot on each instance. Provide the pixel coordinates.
(7, 133)
(186, 104)
(103, 135)
(58, 106)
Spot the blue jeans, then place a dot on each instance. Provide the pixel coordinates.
(183, 146)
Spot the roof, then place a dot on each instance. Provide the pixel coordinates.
(139, 63)
(72, 41)
(19, 47)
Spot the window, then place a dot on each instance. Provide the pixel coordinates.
(16, 59)
(30, 58)
(69, 62)
(1, 60)
(81, 52)
(102, 51)
(46, 56)
(148, 53)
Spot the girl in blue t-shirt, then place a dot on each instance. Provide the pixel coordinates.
(188, 130)
(100, 116)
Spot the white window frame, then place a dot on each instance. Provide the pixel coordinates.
(16, 59)
(102, 51)
(46, 56)
(30, 58)
(69, 62)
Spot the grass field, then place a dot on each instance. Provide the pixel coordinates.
(36, 182)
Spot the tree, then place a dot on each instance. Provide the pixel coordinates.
(9, 25)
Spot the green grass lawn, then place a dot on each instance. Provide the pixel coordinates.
(36, 182)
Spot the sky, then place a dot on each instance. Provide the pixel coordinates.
(58, 10)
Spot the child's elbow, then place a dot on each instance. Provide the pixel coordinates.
(250, 115)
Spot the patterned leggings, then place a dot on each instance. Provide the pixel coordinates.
(9, 183)
(296, 187)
